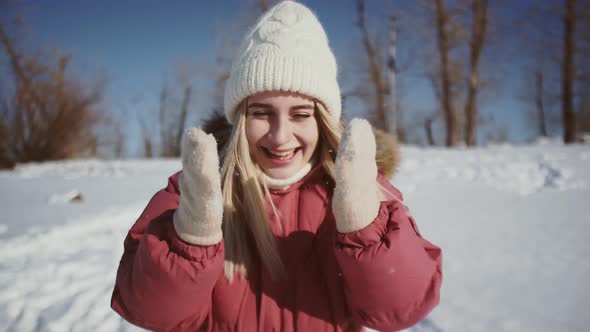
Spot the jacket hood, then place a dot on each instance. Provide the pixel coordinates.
(387, 155)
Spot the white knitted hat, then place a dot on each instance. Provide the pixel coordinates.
(286, 50)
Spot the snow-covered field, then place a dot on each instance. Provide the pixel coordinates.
(512, 222)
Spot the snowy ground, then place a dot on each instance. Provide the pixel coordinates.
(511, 221)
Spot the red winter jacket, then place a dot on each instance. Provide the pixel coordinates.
(385, 276)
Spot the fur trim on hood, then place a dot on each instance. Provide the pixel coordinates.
(387, 156)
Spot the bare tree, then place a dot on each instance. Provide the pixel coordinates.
(379, 84)
(184, 109)
(48, 115)
(112, 136)
(565, 69)
(499, 135)
(456, 76)
(568, 72)
(478, 33)
(394, 114)
(450, 116)
(173, 118)
(221, 77)
(421, 128)
(583, 75)
(539, 102)
(539, 44)
(119, 141)
(165, 116)
(428, 130)
(583, 115)
(147, 138)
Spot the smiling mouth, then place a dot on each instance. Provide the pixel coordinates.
(283, 155)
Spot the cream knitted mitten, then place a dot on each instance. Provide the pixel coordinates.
(200, 212)
(356, 197)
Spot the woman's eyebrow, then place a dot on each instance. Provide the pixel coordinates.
(259, 105)
(302, 107)
(293, 108)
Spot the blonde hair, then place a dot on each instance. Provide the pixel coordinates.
(246, 229)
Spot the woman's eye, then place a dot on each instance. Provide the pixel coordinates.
(259, 114)
(302, 115)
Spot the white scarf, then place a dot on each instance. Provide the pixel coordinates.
(281, 184)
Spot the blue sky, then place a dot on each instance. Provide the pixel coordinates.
(136, 44)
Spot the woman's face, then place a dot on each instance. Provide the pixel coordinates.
(282, 132)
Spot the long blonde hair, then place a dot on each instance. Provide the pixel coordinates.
(246, 230)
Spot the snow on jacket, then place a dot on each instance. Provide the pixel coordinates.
(385, 276)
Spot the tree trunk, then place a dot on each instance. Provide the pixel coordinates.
(393, 126)
(539, 102)
(453, 133)
(480, 22)
(378, 82)
(568, 70)
(164, 137)
(182, 119)
(148, 147)
(428, 129)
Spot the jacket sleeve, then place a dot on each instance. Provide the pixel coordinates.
(392, 276)
(164, 283)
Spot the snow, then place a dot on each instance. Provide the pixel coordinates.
(67, 197)
(511, 221)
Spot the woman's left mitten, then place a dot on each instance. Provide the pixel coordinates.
(356, 197)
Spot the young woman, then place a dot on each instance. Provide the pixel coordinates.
(283, 223)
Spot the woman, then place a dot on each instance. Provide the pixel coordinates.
(294, 230)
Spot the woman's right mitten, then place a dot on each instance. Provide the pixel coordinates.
(200, 212)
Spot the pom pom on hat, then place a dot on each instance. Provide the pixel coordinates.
(286, 50)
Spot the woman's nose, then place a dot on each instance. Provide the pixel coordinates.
(280, 131)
